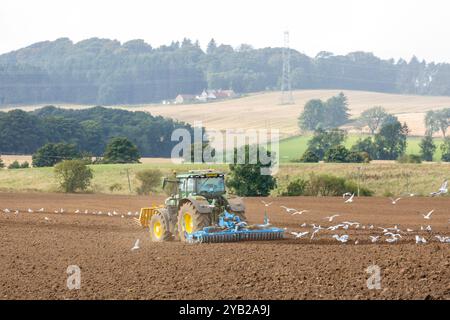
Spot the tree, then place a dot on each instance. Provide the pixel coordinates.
(246, 179)
(373, 118)
(2, 165)
(337, 111)
(149, 179)
(121, 150)
(431, 124)
(445, 149)
(309, 157)
(212, 46)
(313, 115)
(365, 146)
(323, 140)
(73, 175)
(427, 148)
(390, 142)
(438, 120)
(14, 165)
(52, 153)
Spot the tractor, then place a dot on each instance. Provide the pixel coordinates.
(199, 210)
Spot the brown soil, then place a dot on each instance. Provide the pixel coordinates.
(36, 252)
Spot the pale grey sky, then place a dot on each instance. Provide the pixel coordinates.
(389, 28)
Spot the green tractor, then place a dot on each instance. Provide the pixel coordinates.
(198, 200)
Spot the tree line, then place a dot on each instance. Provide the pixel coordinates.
(87, 131)
(102, 71)
(387, 140)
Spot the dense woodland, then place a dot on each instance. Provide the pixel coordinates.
(89, 130)
(101, 71)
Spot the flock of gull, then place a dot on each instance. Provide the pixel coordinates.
(388, 234)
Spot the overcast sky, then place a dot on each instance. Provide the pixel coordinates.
(389, 28)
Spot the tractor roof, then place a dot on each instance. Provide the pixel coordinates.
(201, 173)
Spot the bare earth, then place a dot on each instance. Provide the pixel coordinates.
(35, 253)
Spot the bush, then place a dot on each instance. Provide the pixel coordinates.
(115, 187)
(296, 188)
(309, 157)
(14, 165)
(2, 165)
(358, 157)
(73, 175)
(329, 185)
(53, 153)
(427, 148)
(410, 158)
(25, 165)
(337, 153)
(149, 179)
(445, 148)
(121, 150)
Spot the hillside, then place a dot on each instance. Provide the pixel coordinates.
(263, 110)
(108, 72)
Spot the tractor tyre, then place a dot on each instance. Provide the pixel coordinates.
(190, 220)
(160, 227)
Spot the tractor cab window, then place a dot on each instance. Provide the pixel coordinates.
(210, 185)
(182, 185)
(190, 188)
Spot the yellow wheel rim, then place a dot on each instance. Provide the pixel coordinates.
(188, 225)
(157, 229)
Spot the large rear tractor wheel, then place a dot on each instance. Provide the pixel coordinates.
(160, 227)
(190, 220)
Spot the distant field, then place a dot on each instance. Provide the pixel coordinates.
(382, 177)
(262, 110)
(293, 148)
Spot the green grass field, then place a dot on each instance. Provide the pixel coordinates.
(293, 148)
(383, 178)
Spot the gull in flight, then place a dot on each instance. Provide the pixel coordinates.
(394, 201)
(330, 218)
(347, 194)
(300, 212)
(442, 190)
(289, 210)
(420, 239)
(136, 245)
(266, 204)
(41, 210)
(303, 225)
(374, 238)
(351, 223)
(349, 200)
(299, 234)
(315, 230)
(333, 228)
(428, 215)
(342, 239)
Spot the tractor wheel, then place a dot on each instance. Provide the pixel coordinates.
(160, 227)
(190, 220)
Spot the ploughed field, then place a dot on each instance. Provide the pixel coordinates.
(36, 249)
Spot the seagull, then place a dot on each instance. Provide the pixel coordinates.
(56, 211)
(288, 210)
(393, 235)
(330, 218)
(347, 194)
(46, 219)
(356, 242)
(351, 223)
(129, 213)
(391, 240)
(122, 216)
(443, 239)
(409, 230)
(61, 210)
(30, 211)
(420, 239)
(394, 201)
(86, 212)
(6, 210)
(16, 212)
(442, 190)
(371, 227)
(342, 239)
(333, 228)
(428, 228)
(115, 213)
(77, 211)
(349, 200)
(374, 238)
(428, 215)
(299, 234)
(303, 225)
(266, 204)
(136, 245)
(109, 214)
(41, 210)
(300, 212)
